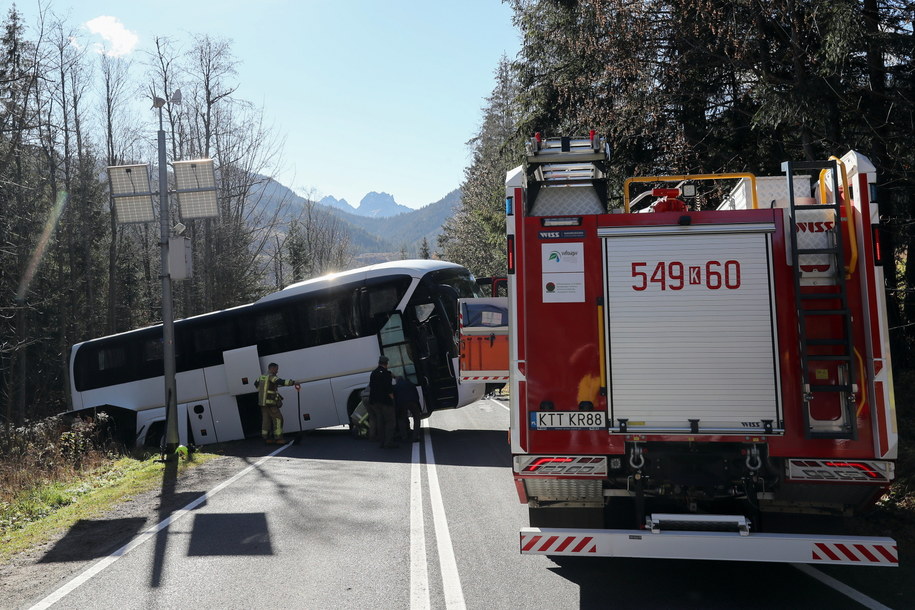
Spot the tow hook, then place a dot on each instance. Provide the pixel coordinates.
(754, 462)
(636, 459)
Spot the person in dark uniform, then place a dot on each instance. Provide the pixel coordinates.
(406, 403)
(381, 401)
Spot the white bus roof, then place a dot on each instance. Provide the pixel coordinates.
(414, 268)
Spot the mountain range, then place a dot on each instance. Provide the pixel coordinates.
(379, 228)
(373, 205)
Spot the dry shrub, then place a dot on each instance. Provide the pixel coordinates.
(53, 449)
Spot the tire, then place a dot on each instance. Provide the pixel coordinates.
(155, 438)
(351, 403)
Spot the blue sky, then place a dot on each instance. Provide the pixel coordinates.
(370, 96)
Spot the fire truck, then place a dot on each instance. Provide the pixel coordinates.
(694, 383)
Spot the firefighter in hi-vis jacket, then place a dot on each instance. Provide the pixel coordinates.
(270, 401)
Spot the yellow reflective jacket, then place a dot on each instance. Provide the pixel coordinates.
(267, 394)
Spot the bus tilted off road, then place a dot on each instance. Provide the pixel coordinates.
(327, 332)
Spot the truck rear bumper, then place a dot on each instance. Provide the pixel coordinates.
(722, 546)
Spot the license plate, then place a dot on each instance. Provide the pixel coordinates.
(568, 420)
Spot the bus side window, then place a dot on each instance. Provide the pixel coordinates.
(151, 355)
(111, 358)
(379, 300)
(208, 340)
(112, 363)
(331, 319)
(272, 332)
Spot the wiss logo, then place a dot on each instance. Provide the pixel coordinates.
(815, 227)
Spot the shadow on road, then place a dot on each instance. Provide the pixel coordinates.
(473, 448)
(230, 534)
(706, 585)
(93, 538)
(166, 507)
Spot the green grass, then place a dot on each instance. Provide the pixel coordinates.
(49, 509)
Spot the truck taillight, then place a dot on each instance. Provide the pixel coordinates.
(538, 463)
(510, 255)
(878, 248)
(860, 466)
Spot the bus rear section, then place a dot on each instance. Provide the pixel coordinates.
(698, 384)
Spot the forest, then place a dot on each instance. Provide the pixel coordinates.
(69, 271)
(709, 86)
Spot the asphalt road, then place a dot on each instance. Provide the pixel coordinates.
(333, 522)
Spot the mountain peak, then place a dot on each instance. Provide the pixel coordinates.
(380, 205)
(340, 204)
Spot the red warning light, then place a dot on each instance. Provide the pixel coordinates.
(860, 466)
(536, 464)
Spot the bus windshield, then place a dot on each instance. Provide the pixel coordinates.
(460, 280)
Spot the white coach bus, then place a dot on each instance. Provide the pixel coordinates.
(327, 331)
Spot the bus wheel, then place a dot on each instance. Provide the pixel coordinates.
(351, 404)
(155, 438)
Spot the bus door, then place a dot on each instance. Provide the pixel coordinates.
(412, 351)
(425, 327)
(396, 346)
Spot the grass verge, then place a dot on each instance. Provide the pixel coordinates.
(40, 513)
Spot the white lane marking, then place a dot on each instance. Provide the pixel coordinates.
(139, 539)
(419, 570)
(841, 587)
(451, 580)
(495, 402)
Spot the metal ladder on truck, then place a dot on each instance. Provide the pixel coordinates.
(577, 165)
(827, 354)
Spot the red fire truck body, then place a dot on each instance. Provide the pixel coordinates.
(697, 384)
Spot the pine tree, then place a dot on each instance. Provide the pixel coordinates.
(475, 235)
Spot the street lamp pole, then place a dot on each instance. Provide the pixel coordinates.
(168, 318)
(133, 202)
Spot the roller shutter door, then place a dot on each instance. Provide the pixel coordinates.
(690, 329)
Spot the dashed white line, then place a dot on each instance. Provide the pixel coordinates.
(451, 580)
(841, 587)
(103, 563)
(419, 571)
